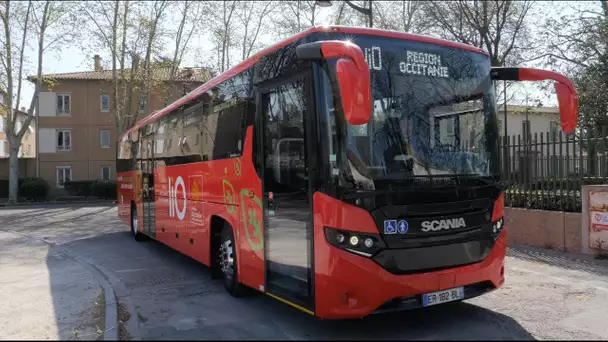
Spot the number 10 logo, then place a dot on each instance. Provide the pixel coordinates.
(173, 206)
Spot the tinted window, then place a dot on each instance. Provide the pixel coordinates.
(125, 159)
(210, 127)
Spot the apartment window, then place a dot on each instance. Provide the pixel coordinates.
(2, 153)
(1, 123)
(64, 140)
(104, 103)
(64, 174)
(105, 172)
(104, 138)
(63, 104)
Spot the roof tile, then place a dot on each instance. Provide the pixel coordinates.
(199, 75)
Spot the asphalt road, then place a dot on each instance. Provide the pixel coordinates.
(547, 295)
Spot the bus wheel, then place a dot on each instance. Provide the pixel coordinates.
(228, 262)
(134, 224)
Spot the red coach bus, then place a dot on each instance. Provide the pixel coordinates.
(344, 171)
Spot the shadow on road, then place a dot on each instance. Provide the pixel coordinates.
(175, 298)
(78, 300)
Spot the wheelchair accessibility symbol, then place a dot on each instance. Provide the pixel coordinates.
(390, 226)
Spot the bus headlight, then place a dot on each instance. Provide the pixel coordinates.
(497, 227)
(362, 244)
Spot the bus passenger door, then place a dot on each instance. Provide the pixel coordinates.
(287, 199)
(148, 191)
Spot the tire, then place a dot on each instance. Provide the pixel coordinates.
(134, 224)
(229, 263)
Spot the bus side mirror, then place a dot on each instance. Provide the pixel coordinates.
(352, 73)
(566, 94)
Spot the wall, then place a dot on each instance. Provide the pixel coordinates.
(557, 230)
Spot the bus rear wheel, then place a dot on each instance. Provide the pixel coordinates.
(135, 224)
(228, 262)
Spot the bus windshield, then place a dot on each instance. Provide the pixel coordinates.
(434, 114)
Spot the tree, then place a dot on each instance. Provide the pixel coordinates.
(131, 32)
(46, 23)
(223, 35)
(578, 46)
(252, 16)
(191, 17)
(295, 17)
(500, 27)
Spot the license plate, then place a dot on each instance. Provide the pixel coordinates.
(444, 296)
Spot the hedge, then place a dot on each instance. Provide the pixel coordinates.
(92, 188)
(567, 183)
(569, 201)
(33, 189)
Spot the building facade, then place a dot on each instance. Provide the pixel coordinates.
(527, 121)
(28, 143)
(77, 127)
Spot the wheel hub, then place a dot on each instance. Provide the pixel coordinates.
(227, 259)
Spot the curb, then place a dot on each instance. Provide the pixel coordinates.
(111, 325)
(113, 288)
(120, 293)
(20, 204)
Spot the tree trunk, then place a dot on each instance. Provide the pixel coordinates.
(13, 176)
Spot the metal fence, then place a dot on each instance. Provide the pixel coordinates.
(546, 171)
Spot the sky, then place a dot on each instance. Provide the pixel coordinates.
(73, 59)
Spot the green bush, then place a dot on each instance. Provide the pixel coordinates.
(567, 183)
(3, 188)
(30, 188)
(79, 188)
(104, 189)
(34, 189)
(569, 201)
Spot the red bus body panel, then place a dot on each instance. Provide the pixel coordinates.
(214, 189)
(351, 286)
(346, 285)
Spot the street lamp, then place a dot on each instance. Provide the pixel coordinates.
(324, 3)
(366, 11)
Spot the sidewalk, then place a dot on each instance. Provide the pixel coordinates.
(4, 202)
(46, 294)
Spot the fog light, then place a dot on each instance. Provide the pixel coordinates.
(369, 242)
(354, 240)
(340, 238)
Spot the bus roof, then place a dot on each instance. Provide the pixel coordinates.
(255, 58)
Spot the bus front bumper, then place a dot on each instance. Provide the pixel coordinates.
(351, 286)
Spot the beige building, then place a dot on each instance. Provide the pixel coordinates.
(530, 120)
(28, 143)
(77, 129)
